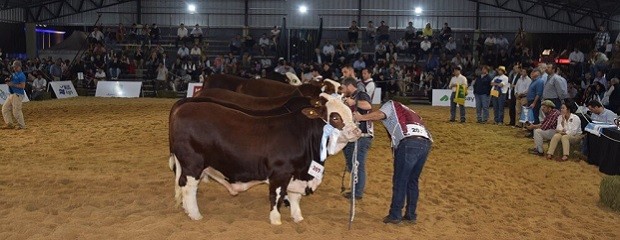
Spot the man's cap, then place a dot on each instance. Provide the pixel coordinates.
(16, 63)
(502, 68)
(548, 103)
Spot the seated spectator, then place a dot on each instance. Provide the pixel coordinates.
(359, 64)
(489, 42)
(96, 36)
(451, 46)
(402, 46)
(99, 76)
(264, 43)
(181, 81)
(502, 42)
(139, 57)
(341, 50)
(353, 52)
(155, 33)
(546, 129)
(383, 32)
(162, 77)
(329, 51)
(427, 31)
(120, 33)
(249, 43)
(39, 86)
(425, 46)
(467, 43)
(600, 78)
(353, 32)
(371, 33)
(183, 52)
(196, 34)
(600, 114)
(56, 70)
(599, 62)
(380, 51)
(410, 33)
(114, 67)
(182, 35)
(568, 130)
(446, 32)
(195, 53)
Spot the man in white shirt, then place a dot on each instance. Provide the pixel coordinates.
(264, 43)
(368, 82)
(196, 52)
(402, 46)
(425, 46)
(329, 51)
(576, 61)
(197, 33)
(502, 42)
(521, 89)
(457, 79)
(451, 45)
(99, 76)
(183, 52)
(39, 86)
(182, 35)
(499, 83)
(96, 36)
(490, 41)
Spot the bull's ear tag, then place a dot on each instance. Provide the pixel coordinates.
(316, 170)
(311, 113)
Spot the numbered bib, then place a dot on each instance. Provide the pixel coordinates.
(416, 130)
(316, 170)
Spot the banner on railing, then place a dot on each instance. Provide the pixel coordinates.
(4, 94)
(192, 88)
(441, 97)
(63, 89)
(118, 89)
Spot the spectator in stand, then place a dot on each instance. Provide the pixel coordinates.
(39, 86)
(319, 57)
(96, 36)
(410, 33)
(425, 46)
(182, 35)
(600, 114)
(446, 32)
(138, 57)
(520, 92)
(402, 46)
(456, 80)
(155, 33)
(353, 32)
(490, 58)
(502, 42)
(432, 63)
(383, 32)
(329, 51)
(162, 77)
(545, 130)
(556, 87)
(341, 50)
(195, 53)
(576, 62)
(140, 34)
(490, 41)
(380, 51)
(100, 75)
(503, 59)
(371, 32)
(353, 52)
(196, 34)
(427, 31)
(499, 83)
(183, 52)
(482, 88)
(601, 39)
(235, 44)
(606, 97)
(359, 64)
(56, 71)
(600, 78)
(598, 61)
(467, 43)
(451, 46)
(568, 130)
(275, 35)
(120, 33)
(114, 68)
(264, 43)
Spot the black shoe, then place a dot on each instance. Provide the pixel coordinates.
(462, 121)
(388, 220)
(347, 195)
(452, 120)
(535, 152)
(408, 220)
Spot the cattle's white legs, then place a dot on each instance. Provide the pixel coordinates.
(190, 204)
(274, 215)
(294, 199)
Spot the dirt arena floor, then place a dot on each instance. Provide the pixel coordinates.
(92, 168)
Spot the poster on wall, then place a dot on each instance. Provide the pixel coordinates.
(4, 94)
(63, 89)
(192, 88)
(118, 89)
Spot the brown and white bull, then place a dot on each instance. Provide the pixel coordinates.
(240, 149)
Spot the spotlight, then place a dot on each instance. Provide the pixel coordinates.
(303, 9)
(191, 8)
(418, 10)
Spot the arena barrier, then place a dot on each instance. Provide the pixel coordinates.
(4, 94)
(118, 89)
(441, 98)
(63, 89)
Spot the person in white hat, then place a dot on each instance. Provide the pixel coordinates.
(13, 104)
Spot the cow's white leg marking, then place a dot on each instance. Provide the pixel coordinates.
(294, 199)
(189, 198)
(242, 187)
(177, 188)
(219, 177)
(171, 161)
(274, 215)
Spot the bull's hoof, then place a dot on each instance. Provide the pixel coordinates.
(298, 220)
(276, 223)
(275, 218)
(195, 217)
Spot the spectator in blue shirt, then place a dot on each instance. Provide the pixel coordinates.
(534, 93)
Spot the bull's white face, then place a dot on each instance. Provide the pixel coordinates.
(340, 118)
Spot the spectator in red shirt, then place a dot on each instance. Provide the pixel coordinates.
(546, 129)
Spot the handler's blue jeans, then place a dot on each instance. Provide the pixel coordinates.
(363, 144)
(409, 160)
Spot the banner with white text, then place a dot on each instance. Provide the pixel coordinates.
(441, 98)
(118, 89)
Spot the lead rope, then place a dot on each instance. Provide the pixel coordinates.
(354, 165)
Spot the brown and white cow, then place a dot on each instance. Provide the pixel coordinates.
(240, 149)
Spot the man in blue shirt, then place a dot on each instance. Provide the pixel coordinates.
(534, 93)
(13, 104)
(482, 89)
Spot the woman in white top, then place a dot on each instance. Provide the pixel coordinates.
(568, 131)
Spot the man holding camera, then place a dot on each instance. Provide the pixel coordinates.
(13, 104)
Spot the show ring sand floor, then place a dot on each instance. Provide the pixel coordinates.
(94, 168)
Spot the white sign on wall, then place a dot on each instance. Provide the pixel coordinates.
(4, 94)
(63, 89)
(193, 88)
(118, 89)
(441, 98)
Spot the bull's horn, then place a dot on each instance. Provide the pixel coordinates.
(294, 80)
